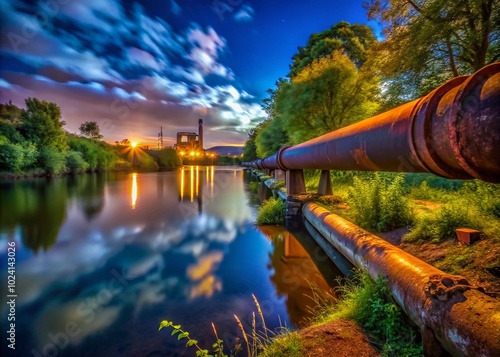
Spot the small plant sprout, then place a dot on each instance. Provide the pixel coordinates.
(218, 346)
(184, 334)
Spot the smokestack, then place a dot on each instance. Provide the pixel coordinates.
(200, 134)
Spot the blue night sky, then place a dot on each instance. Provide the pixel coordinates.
(133, 66)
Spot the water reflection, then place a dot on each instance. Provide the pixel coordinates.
(128, 250)
(33, 212)
(134, 190)
(296, 273)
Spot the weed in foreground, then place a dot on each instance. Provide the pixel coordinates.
(260, 341)
(272, 211)
(371, 305)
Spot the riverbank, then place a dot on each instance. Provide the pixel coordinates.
(479, 262)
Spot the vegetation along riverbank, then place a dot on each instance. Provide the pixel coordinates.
(33, 142)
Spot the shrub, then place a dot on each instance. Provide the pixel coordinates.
(272, 211)
(377, 205)
(98, 155)
(11, 157)
(52, 160)
(371, 305)
(166, 158)
(395, 211)
(75, 162)
(254, 186)
(16, 157)
(441, 224)
(484, 195)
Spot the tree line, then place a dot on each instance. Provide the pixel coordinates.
(33, 142)
(344, 74)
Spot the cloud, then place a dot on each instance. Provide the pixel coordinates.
(129, 71)
(205, 51)
(244, 14)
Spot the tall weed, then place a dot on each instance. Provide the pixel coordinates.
(378, 205)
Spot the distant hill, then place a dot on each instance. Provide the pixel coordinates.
(227, 150)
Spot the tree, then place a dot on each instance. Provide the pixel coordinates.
(430, 41)
(41, 124)
(10, 112)
(125, 142)
(91, 130)
(330, 85)
(250, 148)
(354, 40)
(326, 95)
(271, 137)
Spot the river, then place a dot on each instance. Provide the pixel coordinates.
(101, 259)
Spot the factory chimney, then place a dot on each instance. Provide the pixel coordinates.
(200, 134)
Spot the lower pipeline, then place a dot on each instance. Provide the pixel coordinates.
(464, 319)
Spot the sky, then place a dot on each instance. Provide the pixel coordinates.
(136, 66)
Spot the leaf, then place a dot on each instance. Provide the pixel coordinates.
(176, 326)
(181, 335)
(174, 331)
(163, 324)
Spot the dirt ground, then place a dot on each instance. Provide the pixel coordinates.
(338, 338)
(479, 262)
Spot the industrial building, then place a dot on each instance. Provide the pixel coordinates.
(189, 143)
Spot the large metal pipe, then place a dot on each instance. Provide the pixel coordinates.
(453, 132)
(464, 319)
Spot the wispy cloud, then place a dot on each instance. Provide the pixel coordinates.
(129, 71)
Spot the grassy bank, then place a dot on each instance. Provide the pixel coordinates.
(420, 213)
(364, 312)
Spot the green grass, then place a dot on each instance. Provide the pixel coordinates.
(253, 186)
(475, 205)
(272, 211)
(284, 345)
(371, 305)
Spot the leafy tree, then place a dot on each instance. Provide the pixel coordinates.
(250, 148)
(125, 142)
(42, 124)
(15, 157)
(10, 112)
(326, 95)
(75, 162)
(271, 137)
(430, 41)
(52, 160)
(354, 40)
(91, 130)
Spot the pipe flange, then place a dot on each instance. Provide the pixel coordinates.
(474, 127)
(278, 158)
(422, 144)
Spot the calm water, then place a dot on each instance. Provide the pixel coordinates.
(102, 259)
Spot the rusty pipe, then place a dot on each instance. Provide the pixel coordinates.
(464, 320)
(452, 132)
